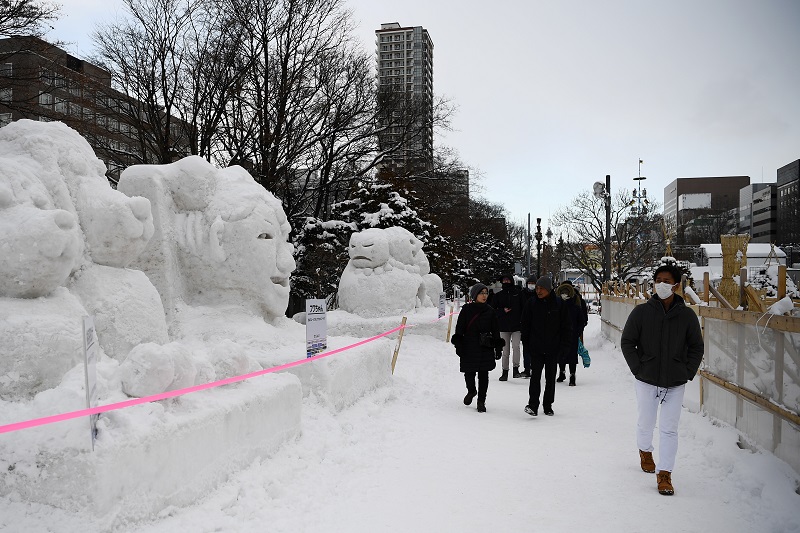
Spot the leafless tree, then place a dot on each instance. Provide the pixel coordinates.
(27, 17)
(635, 240)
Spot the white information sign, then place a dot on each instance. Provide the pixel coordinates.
(90, 370)
(442, 304)
(316, 327)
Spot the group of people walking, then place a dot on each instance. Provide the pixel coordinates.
(544, 322)
(662, 344)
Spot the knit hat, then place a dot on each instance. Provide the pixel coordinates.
(475, 289)
(545, 283)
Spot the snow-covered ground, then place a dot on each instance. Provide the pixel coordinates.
(411, 457)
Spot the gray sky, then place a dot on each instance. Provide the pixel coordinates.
(554, 95)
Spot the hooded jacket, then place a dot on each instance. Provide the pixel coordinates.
(663, 348)
(509, 297)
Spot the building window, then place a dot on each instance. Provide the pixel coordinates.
(6, 69)
(45, 119)
(5, 118)
(62, 106)
(46, 99)
(6, 94)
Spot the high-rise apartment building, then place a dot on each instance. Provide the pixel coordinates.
(405, 84)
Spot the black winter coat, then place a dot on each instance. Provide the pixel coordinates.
(546, 329)
(578, 319)
(663, 348)
(512, 299)
(474, 357)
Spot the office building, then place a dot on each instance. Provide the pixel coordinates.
(701, 209)
(40, 81)
(788, 198)
(746, 206)
(405, 84)
(765, 214)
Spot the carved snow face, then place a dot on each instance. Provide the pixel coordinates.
(369, 248)
(259, 259)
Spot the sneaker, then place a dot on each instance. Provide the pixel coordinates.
(504, 377)
(561, 377)
(665, 483)
(531, 411)
(548, 411)
(572, 380)
(481, 407)
(516, 372)
(646, 459)
(468, 398)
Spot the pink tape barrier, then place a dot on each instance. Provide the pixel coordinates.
(17, 426)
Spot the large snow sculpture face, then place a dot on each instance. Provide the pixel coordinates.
(369, 248)
(220, 239)
(38, 248)
(115, 228)
(258, 256)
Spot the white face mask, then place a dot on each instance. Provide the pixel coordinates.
(565, 296)
(664, 290)
(531, 287)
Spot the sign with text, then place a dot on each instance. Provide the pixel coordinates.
(442, 304)
(316, 327)
(90, 371)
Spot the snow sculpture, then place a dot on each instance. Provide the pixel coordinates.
(64, 236)
(221, 239)
(385, 273)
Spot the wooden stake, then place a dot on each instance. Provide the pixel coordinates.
(399, 342)
(449, 325)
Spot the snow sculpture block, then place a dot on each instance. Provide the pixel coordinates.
(385, 273)
(177, 456)
(60, 221)
(221, 239)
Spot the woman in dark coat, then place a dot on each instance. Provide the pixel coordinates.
(578, 319)
(478, 343)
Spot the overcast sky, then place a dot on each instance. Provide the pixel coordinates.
(553, 95)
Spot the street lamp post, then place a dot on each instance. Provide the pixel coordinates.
(538, 237)
(528, 239)
(641, 196)
(603, 192)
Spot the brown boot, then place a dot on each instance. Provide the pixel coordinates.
(665, 483)
(648, 465)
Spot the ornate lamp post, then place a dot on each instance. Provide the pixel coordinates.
(538, 238)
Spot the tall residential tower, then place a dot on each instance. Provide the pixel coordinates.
(405, 80)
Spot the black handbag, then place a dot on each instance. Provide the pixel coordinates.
(486, 340)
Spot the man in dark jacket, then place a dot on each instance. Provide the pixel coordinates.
(508, 304)
(663, 346)
(546, 333)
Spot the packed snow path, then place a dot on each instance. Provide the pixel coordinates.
(412, 458)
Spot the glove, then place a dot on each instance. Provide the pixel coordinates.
(498, 354)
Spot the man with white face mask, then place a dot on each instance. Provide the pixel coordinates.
(663, 346)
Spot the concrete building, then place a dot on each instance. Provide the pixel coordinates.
(405, 77)
(765, 214)
(788, 199)
(40, 81)
(746, 207)
(701, 209)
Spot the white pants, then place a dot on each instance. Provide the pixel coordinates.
(649, 398)
(512, 339)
